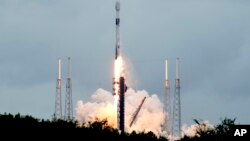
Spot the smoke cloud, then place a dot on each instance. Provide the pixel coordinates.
(101, 106)
(150, 118)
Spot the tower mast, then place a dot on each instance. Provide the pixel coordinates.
(177, 105)
(58, 100)
(68, 98)
(167, 107)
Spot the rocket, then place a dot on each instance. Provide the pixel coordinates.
(117, 22)
(119, 86)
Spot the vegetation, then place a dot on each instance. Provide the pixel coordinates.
(221, 132)
(99, 130)
(9, 121)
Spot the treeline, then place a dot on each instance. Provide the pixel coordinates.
(221, 132)
(96, 131)
(100, 130)
(9, 121)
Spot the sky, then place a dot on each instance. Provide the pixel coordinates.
(211, 38)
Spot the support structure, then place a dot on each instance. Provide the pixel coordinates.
(58, 100)
(68, 98)
(121, 105)
(177, 105)
(136, 112)
(167, 102)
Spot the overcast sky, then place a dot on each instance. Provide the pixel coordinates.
(212, 39)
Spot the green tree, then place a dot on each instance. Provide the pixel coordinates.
(225, 129)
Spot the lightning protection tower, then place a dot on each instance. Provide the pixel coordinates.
(68, 97)
(58, 100)
(166, 102)
(177, 105)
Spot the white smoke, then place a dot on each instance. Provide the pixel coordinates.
(101, 106)
(150, 118)
(129, 73)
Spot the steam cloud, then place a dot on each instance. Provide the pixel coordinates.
(101, 106)
(150, 118)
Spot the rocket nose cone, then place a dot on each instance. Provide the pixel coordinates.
(117, 6)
